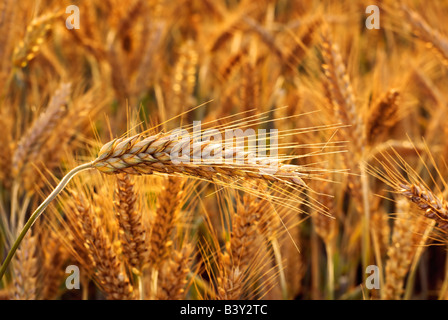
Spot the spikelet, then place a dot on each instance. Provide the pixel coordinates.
(341, 92)
(36, 34)
(434, 207)
(228, 68)
(230, 282)
(173, 277)
(408, 235)
(382, 116)
(244, 239)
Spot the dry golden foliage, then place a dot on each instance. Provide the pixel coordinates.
(341, 103)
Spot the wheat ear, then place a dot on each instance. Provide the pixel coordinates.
(427, 34)
(133, 234)
(243, 248)
(399, 252)
(36, 33)
(26, 272)
(140, 154)
(166, 217)
(109, 269)
(37, 135)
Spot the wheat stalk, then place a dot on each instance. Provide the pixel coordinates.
(434, 207)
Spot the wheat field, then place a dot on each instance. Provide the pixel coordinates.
(93, 205)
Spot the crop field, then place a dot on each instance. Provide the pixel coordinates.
(223, 150)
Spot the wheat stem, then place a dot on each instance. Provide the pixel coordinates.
(154, 276)
(39, 211)
(330, 270)
(281, 269)
(140, 286)
(444, 288)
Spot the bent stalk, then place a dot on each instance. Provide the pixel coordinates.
(39, 211)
